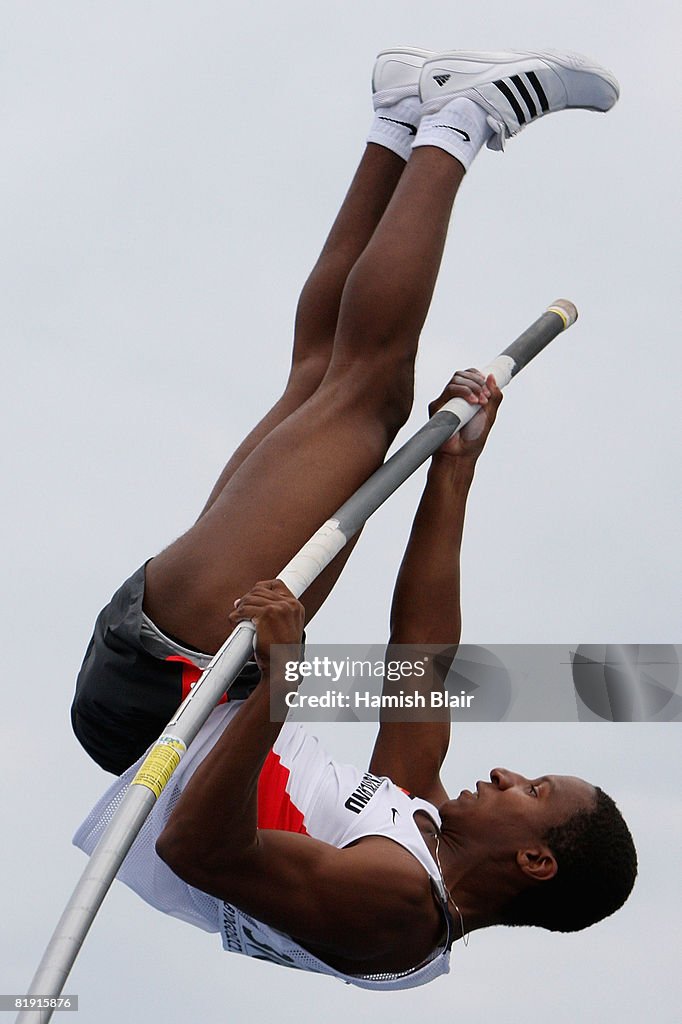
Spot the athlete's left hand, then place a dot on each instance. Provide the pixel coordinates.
(279, 618)
(477, 390)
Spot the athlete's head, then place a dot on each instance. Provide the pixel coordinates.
(564, 840)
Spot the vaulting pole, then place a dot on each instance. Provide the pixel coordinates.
(224, 668)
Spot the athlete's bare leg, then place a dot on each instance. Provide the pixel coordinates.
(305, 467)
(317, 314)
(369, 194)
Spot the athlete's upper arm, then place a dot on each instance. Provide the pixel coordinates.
(345, 901)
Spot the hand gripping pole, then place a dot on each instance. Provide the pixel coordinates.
(224, 668)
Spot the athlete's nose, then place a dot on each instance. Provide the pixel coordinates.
(503, 778)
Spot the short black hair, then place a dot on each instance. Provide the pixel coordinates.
(596, 870)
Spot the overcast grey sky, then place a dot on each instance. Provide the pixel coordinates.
(169, 172)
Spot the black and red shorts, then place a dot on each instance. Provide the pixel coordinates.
(132, 680)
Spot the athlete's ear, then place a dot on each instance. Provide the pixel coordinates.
(537, 862)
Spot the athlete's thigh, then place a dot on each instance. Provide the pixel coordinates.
(304, 379)
(283, 491)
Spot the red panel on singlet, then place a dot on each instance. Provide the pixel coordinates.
(275, 809)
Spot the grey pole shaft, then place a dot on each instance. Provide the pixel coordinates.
(224, 668)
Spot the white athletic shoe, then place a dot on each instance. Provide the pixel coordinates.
(396, 74)
(517, 87)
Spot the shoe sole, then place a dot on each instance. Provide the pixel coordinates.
(408, 51)
(403, 51)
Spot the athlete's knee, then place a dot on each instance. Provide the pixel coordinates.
(383, 386)
(308, 368)
(398, 392)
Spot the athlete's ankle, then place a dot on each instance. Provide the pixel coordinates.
(461, 128)
(395, 126)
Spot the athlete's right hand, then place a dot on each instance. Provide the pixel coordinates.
(279, 618)
(476, 389)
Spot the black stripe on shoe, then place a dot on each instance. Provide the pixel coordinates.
(516, 106)
(525, 95)
(535, 82)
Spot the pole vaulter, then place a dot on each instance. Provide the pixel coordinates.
(304, 567)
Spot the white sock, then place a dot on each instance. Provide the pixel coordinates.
(395, 127)
(460, 128)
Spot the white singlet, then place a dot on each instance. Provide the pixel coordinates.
(301, 789)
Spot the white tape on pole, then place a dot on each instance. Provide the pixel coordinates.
(313, 557)
(502, 370)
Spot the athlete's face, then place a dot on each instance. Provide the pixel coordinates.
(512, 810)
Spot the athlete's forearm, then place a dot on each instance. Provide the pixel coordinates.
(215, 823)
(426, 599)
(215, 820)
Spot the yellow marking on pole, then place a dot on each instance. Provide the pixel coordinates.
(159, 765)
(560, 312)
